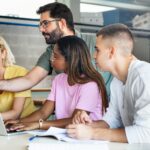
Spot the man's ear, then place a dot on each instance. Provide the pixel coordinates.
(62, 24)
(112, 51)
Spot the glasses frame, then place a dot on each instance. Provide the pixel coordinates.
(44, 24)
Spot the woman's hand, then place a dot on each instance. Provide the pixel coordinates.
(12, 122)
(25, 126)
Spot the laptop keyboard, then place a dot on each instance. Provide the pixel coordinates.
(8, 126)
(11, 131)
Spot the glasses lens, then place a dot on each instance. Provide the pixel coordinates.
(44, 24)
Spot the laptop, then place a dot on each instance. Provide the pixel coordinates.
(3, 129)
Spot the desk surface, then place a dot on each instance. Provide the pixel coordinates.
(20, 142)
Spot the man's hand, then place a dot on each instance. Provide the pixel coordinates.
(81, 117)
(80, 131)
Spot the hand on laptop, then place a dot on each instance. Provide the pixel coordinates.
(24, 126)
(11, 122)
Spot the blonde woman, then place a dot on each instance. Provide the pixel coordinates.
(13, 105)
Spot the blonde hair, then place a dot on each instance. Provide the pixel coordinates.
(10, 59)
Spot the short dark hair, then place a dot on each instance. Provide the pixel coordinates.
(114, 30)
(59, 10)
(79, 66)
(119, 31)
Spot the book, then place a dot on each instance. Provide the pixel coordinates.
(59, 134)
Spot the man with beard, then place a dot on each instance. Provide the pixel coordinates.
(56, 21)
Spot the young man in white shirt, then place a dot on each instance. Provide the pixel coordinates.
(128, 116)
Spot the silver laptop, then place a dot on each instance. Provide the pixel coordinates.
(3, 129)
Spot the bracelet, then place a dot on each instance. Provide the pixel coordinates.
(40, 123)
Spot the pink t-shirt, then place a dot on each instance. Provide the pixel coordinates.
(79, 96)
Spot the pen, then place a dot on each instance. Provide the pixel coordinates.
(32, 137)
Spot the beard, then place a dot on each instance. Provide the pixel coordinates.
(52, 37)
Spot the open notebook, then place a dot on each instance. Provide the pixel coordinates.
(70, 144)
(60, 134)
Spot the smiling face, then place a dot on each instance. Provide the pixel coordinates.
(50, 28)
(58, 61)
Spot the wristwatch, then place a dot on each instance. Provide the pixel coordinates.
(40, 123)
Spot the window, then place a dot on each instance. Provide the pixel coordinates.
(22, 8)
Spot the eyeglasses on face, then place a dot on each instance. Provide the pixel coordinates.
(45, 23)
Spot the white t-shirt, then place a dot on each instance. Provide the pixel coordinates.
(130, 103)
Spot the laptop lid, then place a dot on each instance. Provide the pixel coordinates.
(3, 130)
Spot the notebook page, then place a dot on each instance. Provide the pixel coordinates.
(61, 134)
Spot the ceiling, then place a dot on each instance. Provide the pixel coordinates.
(143, 5)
